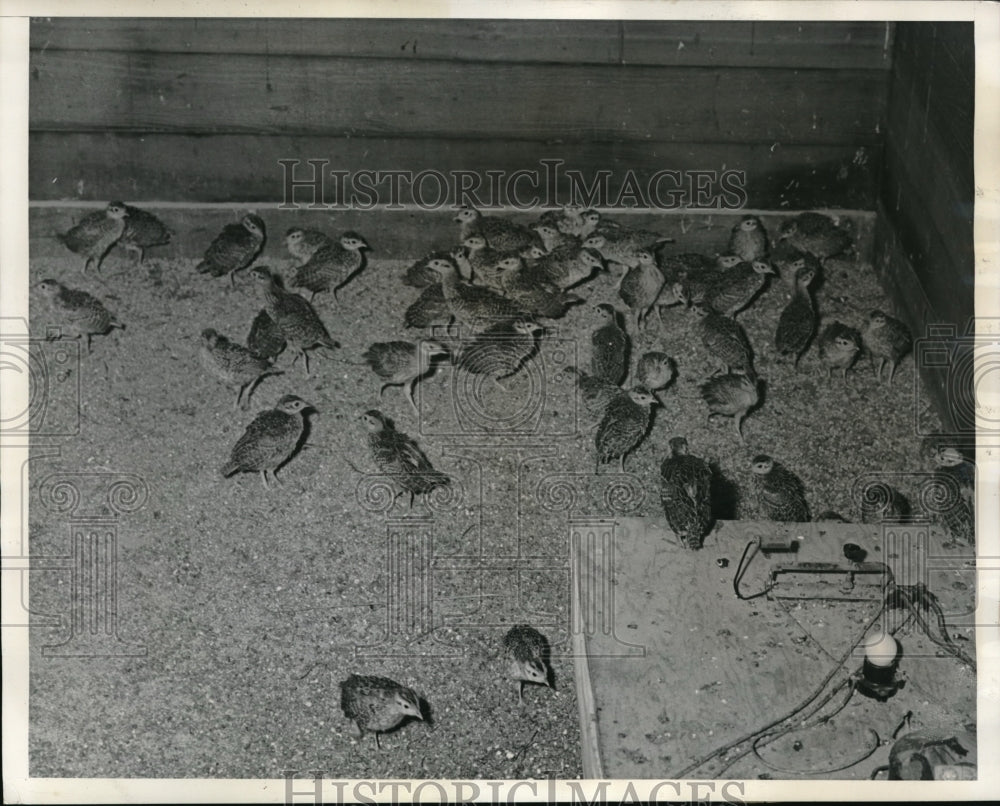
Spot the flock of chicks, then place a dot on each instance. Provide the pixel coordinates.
(500, 280)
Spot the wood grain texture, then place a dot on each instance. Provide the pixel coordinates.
(763, 44)
(927, 185)
(236, 168)
(202, 93)
(677, 42)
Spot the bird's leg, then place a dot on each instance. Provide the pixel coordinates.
(312, 295)
(305, 360)
(239, 398)
(520, 691)
(264, 481)
(88, 344)
(378, 744)
(881, 363)
(892, 371)
(337, 300)
(382, 389)
(738, 420)
(411, 500)
(86, 264)
(141, 253)
(232, 279)
(621, 463)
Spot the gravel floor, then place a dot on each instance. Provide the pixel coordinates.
(253, 606)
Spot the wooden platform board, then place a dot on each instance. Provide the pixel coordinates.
(676, 665)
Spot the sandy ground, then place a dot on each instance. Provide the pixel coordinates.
(252, 606)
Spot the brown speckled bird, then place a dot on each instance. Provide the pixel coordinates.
(483, 261)
(303, 243)
(735, 288)
(748, 239)
(377, 704)
(797, 322)
(553, 238)
(569, 220)
(779, 493)
(531, 292)
(686, 494)
(698, 274)
(332, 266)
(421, 275)
(655, 370)
(839, 345)
(499, 233)
(887, 340)
(527, 654)
(622, 244)
(399, 458)
(79, 313)
(950, 491)
(430, 308)
(609, 346)
(94, 236)
(640, 286)
(472, 306)
(295, 318)
(568, 266)
(142, 231)
(731, 396)
(790, 262)
(264, 339)
(724, 339)
(817, 234)
(500, 350)
(233, 364)
(234, 248)
(402, 363)
(269, 441)
(625, 424)
(595, 393)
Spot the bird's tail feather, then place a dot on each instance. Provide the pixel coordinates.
(228, 469)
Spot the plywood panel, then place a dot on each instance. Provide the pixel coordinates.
(199, 93)
(687, 667)
(234, 168)
(680, 42)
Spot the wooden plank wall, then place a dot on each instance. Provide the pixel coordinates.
(201, 110)
(924, 238)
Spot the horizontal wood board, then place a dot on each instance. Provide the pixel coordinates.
(205, 93)
(675, 42)
(245, 168)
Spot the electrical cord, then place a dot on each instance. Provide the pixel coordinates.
(742, 567)
(718, 752)
(945, 641)
(874, 743)
(771, 736)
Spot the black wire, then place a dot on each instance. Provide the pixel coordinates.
(801, 707)
(867, 752)
(774, 735)
(741, 569)
(945, 642)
